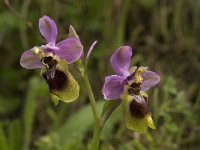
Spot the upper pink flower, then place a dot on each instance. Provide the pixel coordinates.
(70, 49)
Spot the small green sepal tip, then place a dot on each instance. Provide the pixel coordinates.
(150, 122)
(54, 99)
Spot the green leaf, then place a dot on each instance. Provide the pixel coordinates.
(109, 126)
(30, 109)
(70, 136)
(15, 136)
(107, 105)
(108, 109)
(3, 144)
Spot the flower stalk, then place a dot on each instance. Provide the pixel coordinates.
(96, 137)
(97, 128)
(91, 98)
(98, 122)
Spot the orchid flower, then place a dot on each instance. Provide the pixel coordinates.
(53, 59)
(129, 85)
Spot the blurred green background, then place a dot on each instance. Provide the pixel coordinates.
(165, 37)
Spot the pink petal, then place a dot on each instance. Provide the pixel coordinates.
(113, 87)
(150, 79)
(90, 49)
(48, 29)
(70, 49)
(30, 61)
(120, 60)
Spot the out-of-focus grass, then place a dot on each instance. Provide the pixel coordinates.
(165, 37)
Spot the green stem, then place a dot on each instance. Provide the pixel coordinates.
(97, 128)
(91, 98)
(96, 137)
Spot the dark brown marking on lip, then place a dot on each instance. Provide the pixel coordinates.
(138, 110)
(50, 62)
(134, 88)
(58, 82)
